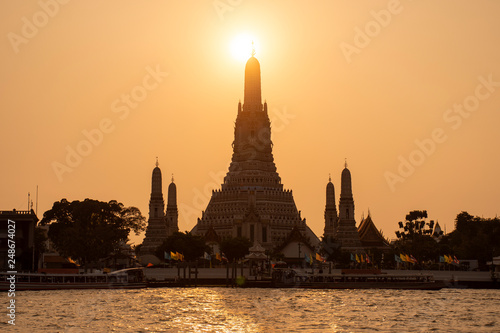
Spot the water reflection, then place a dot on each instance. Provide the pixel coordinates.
(257, 310)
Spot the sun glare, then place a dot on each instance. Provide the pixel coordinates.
(241, 47)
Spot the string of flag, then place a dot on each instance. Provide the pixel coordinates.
(361, 258)
(174, 256)
(308, 257)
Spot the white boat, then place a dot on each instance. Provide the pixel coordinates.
(130, 278)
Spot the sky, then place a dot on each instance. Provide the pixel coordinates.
(407, 92)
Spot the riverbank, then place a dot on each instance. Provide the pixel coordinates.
(179, 277)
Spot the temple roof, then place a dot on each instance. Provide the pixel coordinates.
(211, 236)
(369, 235)
(296, 235)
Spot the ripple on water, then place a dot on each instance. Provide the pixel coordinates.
(257, 310)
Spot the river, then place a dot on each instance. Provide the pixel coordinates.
(255, 310)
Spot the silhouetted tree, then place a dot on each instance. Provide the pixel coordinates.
(191, 246)
(235, 248)
(415, 237)
(475, 238)
(90, 230)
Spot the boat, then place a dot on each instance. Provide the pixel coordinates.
(291, 278)
(129, 278)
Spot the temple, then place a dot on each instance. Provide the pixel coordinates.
(161, 224)
(341, 228)
(252, 201)
(370, 236)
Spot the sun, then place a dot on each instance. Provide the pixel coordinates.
(242, 46)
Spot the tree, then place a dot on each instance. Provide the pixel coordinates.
(235, 248)
(90, 230)
(191, 246)
(415, 225)
(415, 237)
(475, 238)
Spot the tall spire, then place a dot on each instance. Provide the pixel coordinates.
(252, 100)
(156, 188)
(172, 214)
(253, 49)
(157, 161)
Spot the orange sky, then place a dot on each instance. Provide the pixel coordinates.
(343, 79)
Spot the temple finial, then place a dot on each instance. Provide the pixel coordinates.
(172, 178)
(253, 49)
(330, 177)
(157, 161)
(345, 163)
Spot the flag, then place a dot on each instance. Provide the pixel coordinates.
(311, 258)
(403, 257)
(173, 256)
(223, 256)
(207, 256)
(319, 257)
(352, 257)
(441, 259)
(447, 259)
(455, 260)
(413, 260)
(306, 257)
(361, 258)
(408, 258)
(397, 258)
(357, 258)
(150, 265)
(166, 255)
(368, 261)
(180, 256)
(217, 256)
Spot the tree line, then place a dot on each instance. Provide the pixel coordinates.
(90, 230)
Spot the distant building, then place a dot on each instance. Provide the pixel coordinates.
(161, 224)
(341, 228)
(437, 232)
(370, 236)
(252, 202)
(24, 236)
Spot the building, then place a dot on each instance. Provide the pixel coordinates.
(341, 229)
(161, 223)
(370, 236)
(252, 202)
(18, 226)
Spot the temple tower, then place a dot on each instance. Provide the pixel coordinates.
(252, 202)
(346, 232)
(331, 218)
(172, 213)
(156, 232)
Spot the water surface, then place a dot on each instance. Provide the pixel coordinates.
(256, 310)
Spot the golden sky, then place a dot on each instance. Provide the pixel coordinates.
(407, 91)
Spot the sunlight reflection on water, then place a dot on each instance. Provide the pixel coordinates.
(256, 310)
